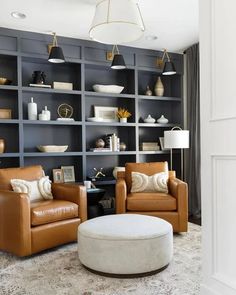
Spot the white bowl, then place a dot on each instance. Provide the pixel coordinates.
(52, 148)
(95, 119)
(108, 88)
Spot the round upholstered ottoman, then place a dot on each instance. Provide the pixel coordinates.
(125, 244)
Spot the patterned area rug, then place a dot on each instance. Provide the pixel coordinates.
(59, 272)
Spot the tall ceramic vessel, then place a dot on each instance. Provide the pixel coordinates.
(159, 87)
(2, 145)
(32, 110)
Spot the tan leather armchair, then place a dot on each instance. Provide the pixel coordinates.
(27, 228)
(173, 207)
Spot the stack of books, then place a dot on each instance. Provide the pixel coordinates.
(112, 144)
(150, 146)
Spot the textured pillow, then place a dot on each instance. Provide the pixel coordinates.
(154, 183)
(37, 189)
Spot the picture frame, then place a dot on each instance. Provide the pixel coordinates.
(108, 114)
(161, 139)
(57, 176)
(68, 173)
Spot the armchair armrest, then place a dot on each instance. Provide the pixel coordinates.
(179, 190)
(121, 195)
(72, 193)
(15, 225)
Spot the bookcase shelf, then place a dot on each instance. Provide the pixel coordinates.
(85, 66)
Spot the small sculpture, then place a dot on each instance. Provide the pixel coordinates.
(148, 91)
(100, 143)
(99, 173)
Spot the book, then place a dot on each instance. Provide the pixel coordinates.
(63, 85)
(40, 85)
(155, 148)
(100, 150)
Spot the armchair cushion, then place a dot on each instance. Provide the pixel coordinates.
(43, 212)
(151, 202)
(36, 189)
(154, 183)
(147, 168)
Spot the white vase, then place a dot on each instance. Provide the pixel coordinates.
(123, 120)
(159, 87)
(149, 119)
(32, 110)
(47, 113)
(162, 120)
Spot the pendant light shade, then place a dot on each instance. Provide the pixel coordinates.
(116, 22)
(56, 54)
(169, 68)
(118, 62)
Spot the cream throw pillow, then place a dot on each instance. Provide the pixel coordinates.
(154, 183)
(37, 189)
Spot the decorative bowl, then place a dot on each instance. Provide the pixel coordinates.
(95, 119)
(52, 148)
(108, 88)
(5, 81)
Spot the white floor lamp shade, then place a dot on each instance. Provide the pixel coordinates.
(116, 22)
(176, 138)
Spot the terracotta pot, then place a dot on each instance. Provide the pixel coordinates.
(2, 145)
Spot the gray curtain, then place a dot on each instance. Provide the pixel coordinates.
(193, 154)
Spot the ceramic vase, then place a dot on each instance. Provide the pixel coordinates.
(32, 110)
(162, 120)
(149, 119)
(159, 87)
(2, 145)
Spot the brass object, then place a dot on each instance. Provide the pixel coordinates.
(5, 81)
(159, 63)
(109, 55)
(160, 60)
(49, 47)
(65, 110)
(2, 146)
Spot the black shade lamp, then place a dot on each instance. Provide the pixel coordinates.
(118, 62)
(56, 54)
(169, 67)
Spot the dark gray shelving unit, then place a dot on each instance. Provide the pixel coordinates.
(21, 53)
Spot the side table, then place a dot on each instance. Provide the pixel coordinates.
(94, 195)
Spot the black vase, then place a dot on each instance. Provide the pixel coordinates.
(38, 77)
